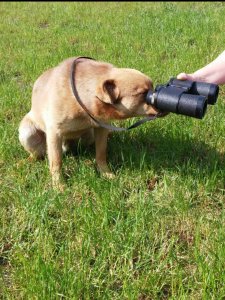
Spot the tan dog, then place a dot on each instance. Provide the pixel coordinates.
(56, 117)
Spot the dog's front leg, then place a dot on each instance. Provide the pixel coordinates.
(54, 146)
(101, 136)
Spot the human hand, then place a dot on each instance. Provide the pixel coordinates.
(192, 77)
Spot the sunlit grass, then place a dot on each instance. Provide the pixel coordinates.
(157, 231)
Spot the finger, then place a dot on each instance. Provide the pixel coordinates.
(182, 76)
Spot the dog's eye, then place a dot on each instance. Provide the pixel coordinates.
(117, 100)
(143, 94)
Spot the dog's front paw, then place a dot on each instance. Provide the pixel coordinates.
(108, 175)
(59, 187)
(58, 183)
(105, 171)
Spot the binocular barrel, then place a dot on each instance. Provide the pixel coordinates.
(184, 97)
(209, 90)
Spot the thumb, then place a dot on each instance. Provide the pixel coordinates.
(184, 76)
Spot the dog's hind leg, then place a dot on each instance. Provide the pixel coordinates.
(32, 138)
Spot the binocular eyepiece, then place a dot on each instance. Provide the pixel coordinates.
(185, 97)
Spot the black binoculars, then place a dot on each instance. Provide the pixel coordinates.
(185, 97)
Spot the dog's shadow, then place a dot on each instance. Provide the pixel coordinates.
(158, 151)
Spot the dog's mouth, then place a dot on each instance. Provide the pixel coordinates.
(159, 114)
(163, 113)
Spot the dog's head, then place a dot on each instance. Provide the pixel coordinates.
(123, 93)
(115, 93)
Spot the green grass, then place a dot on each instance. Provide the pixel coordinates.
(158, 230)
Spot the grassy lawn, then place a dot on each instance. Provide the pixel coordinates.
(157, 231)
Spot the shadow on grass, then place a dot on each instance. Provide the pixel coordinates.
(158, 151)
(161, 150)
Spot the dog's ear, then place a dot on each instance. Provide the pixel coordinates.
(108, 92)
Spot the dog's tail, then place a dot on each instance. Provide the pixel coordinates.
(32, 139)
